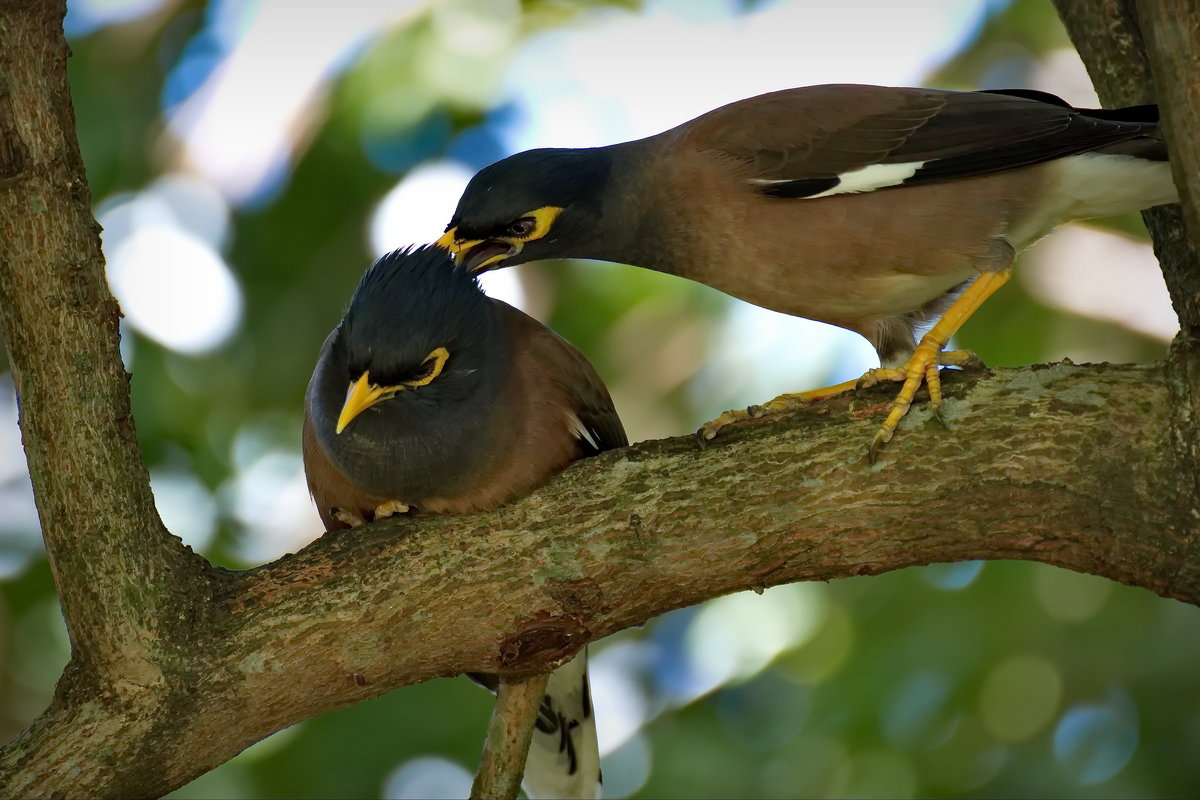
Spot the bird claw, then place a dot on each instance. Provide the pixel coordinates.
(922, 368)
(876, 376)
(355, 520)
(937, 414)
(347, 517)
(384, 510)
(710, 429)
(969, 360)
(782, 404)
(877, 444)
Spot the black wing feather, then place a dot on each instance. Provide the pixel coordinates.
(794, 142)
(600, 420)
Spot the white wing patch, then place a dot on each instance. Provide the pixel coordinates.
(864, 179)
(872, 177)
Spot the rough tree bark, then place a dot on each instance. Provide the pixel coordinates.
(510, 732)
(177, 665)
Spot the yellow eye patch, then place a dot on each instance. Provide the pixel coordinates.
(438, 358)
(363, 394)
(542, 219)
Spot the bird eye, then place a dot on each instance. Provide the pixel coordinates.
(522, 228)
(431, 367)
(420, 375)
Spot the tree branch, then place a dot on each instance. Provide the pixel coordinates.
(1066, 465)
(107, 548)
(1139, 51)
(177, 666)
(509, 733)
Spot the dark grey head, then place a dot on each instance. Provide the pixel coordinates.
(537, 204)
(403, 394)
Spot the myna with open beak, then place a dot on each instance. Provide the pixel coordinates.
(873, 208)
(431, 396)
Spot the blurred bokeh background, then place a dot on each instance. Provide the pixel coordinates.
(249, 159)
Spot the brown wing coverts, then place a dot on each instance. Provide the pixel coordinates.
(957, 134)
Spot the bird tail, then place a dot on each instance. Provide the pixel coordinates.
(564, 758)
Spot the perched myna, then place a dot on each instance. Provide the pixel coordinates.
(873, 208)
(430, 396)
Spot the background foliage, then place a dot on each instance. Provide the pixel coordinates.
(960, 680)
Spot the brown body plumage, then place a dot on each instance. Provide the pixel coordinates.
(869, 207)
(535, 434)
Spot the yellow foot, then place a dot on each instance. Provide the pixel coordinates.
(780, 405)
(390, 507)
(921, 368)
(923, 365)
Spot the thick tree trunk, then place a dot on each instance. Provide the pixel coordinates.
(176, 665)
(1142, 51)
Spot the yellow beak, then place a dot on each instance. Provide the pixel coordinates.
(464, 252)
(359, 397)
(456, 248)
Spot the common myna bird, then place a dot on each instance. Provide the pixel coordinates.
(431, 396)
(873, 208)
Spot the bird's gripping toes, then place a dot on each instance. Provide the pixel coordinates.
(922, 367)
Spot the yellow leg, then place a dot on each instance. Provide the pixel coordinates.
(947, 358)
(781, 404)
(923, 365)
